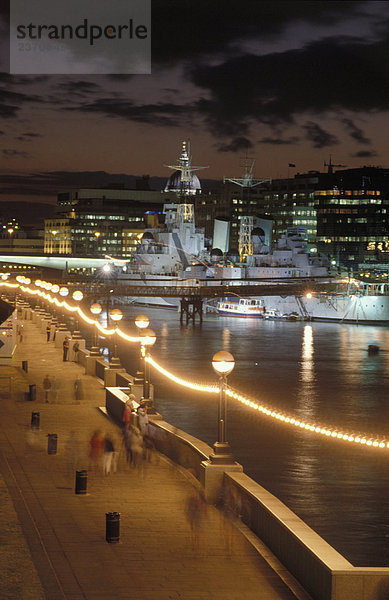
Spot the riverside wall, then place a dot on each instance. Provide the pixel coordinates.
(320, 569)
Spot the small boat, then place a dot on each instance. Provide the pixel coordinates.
(273, 313)
(246, 307)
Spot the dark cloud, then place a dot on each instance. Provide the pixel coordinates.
(10, 153)
(330, 75)
(318, 136)
(28, 137)
(364, 154)
(161, 114)
(78, 87)
(10, 102)
(355, 132)
(278, 141)
(235, 145)
(31, 134)
(190, 30)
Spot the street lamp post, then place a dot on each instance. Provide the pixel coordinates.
(95, 309)
(116, 316)
(77, 296)
(147, 338)
(141, 322)
(63, 291)
(223, 363)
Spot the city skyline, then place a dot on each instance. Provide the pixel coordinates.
(285, 83)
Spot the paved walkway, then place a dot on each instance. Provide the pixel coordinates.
(52, 541)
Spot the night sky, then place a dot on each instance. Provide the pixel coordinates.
(281, 82)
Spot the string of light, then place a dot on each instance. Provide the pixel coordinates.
(324, 431)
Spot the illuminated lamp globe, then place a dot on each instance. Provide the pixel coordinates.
(96, 308)
(4, 277)
(142, 321)
(147, 337)
(223, 362)
(48, 286)
(116, 314)
(309, 295)
(63, 291)
(106, 268)
(19, 278)
(77, 296)
(27, 281)
(55, 289)
(37, 282)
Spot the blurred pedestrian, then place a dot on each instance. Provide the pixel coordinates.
(96, 449)
(195, 511)
(46, 387)
(143, 419)
(54, 389)
(78, 389)
(65, 347)
(48, 331)
(76, 348)
(109, 454)
(127, 412)
(137, 449)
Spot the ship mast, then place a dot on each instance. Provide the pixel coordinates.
(185, 210)
(246, 222)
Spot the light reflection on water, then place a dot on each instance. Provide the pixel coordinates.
(317, 371)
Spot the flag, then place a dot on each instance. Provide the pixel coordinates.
(292, 165)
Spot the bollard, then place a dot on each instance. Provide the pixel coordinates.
(35, 420)
(52, 443)
(112, 527)
(81, 482)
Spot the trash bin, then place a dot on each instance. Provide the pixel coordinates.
(35, 420)
(81, 482)
(25, 365)
(31, 394)
(112, 527)
(52, 443)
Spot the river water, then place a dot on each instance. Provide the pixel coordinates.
(320, 372)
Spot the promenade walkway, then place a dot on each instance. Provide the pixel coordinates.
(53, 541)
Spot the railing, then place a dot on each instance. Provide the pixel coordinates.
(101, 365)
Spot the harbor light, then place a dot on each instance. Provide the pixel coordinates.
(223, 364)
(142, 321)
(63, 291)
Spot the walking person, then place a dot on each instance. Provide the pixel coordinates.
(48, 331)
(143, 419)
(76, 347)
(65, 347)
(126, 418)
(195, 511)
(96, 450)
(109, 454)
(46, 387)
(78, 389)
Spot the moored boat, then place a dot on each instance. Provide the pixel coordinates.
(246, 307)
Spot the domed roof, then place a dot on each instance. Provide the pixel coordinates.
(216, 252)
(257, 231)
(174, 184)
(147, 236)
